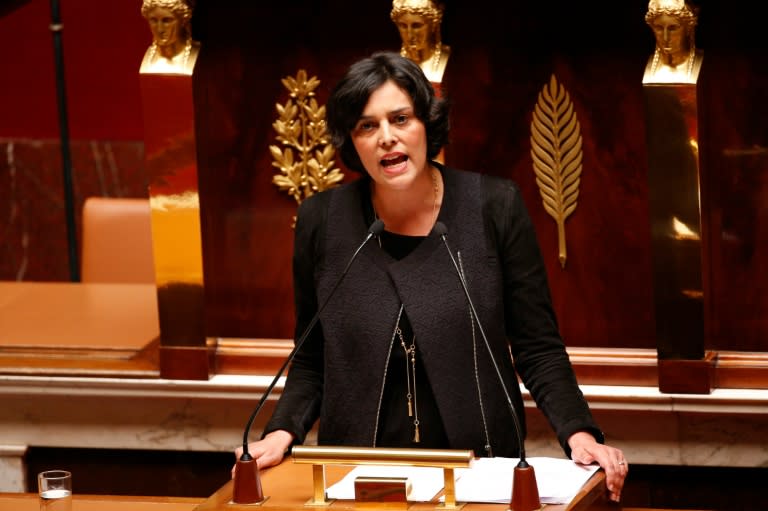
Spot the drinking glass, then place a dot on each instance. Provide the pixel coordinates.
(55, 490)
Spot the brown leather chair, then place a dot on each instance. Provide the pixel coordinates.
(117, 241)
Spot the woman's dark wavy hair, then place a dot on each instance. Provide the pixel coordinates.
(351, 94)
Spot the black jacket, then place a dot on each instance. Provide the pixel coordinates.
(339, 373)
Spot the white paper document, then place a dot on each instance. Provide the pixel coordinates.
(490, 479)
(487, 480)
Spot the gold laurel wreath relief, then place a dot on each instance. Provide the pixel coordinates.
(301, 127)
(557, 155)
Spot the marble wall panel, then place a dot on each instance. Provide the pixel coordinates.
(12, 468)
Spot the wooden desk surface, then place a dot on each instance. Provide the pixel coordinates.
(44, 323)
(78, 315)
(288, 487)
(29, 502)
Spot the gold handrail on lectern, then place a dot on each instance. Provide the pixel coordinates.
(320, 456)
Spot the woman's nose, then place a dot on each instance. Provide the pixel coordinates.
(386, 136)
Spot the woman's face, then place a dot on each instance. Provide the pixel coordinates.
(671, 38)
(389, 139)
(164, 26)
(416, 33)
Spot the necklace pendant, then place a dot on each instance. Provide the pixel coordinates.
(410, 408)
(416, 437)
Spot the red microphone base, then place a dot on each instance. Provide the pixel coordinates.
(247, 484)
(525, 493)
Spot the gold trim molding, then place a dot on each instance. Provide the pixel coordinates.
(557, 155)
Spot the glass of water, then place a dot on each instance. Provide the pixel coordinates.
(55, 490)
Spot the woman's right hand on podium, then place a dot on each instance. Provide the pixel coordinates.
(268, 451)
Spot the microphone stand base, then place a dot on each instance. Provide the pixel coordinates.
(247, 483)
(525, 492)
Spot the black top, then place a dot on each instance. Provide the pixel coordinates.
(344, 369)
(396, 427)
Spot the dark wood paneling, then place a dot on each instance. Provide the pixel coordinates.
(200, 474)
(498, 66)
(246, 230)
(247, 236)
(133, 472)
(742, 370)
(264, 357)
(737, 176)
(501, 59)
(689, 376)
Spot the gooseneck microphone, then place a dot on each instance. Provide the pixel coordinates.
(247, 484)
(441, 230)
(525, 493)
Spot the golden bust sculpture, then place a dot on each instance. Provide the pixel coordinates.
(172, 50)
(675, 59)
(418, 22)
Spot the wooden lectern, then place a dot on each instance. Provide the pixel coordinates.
(289, 486)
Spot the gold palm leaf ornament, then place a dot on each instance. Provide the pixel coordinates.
(556, 153)
(301, 128)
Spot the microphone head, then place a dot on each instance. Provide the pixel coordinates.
(376, 227)
(440, 229)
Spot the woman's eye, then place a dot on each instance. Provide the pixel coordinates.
(365, 126)
(401, 119)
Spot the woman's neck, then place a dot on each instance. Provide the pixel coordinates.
(412, 212)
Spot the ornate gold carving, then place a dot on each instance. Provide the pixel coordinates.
(556, 152)
(301, 127)
(675, 59)
(172, 51)
(418, 22)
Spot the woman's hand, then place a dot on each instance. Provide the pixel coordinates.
(586, 450)
(268, 451)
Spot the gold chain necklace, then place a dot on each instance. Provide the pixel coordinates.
(436, 190)
(410, 376)
(410, 351)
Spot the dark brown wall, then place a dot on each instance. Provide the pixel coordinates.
(501, 59)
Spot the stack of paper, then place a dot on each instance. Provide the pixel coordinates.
(487, 480)
(490, 479)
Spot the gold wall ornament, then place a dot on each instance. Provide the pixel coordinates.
(301, 127)
(172, 50)
(418, 22)
(557, 155)
(675, 58)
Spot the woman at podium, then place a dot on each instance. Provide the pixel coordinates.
(398, 357)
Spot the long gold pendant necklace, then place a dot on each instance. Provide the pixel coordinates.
(410, 376)
(410, 351)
